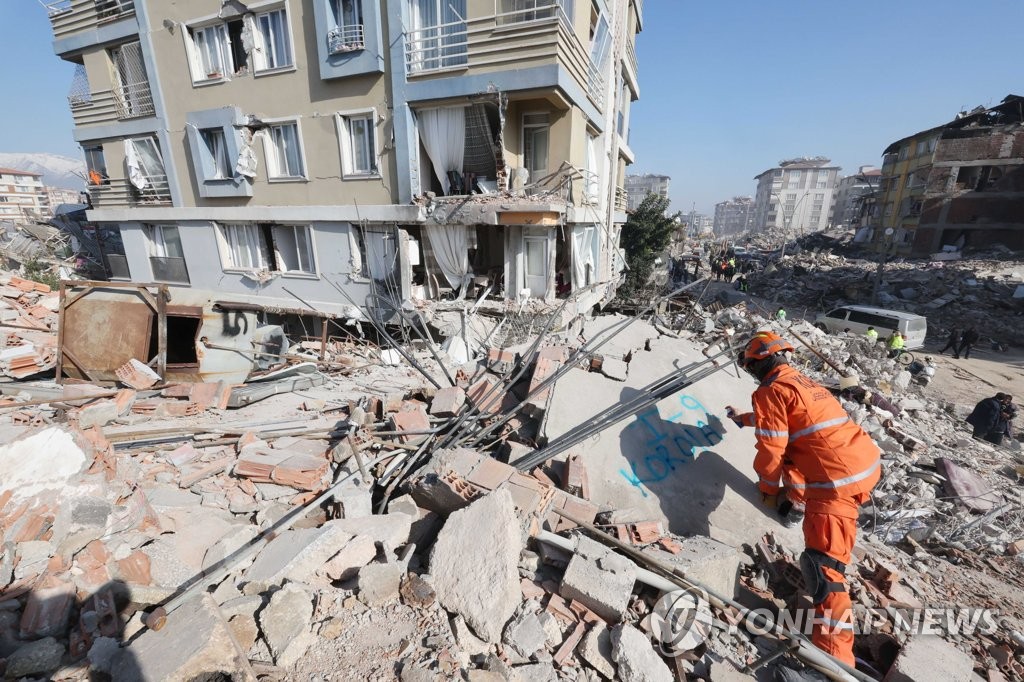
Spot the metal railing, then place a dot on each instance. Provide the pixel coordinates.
(117, 266)
(72, 16)
(120, 193)
(436, 48)
(621, 199)
(631, 56)
(106, 106)
(541, 10)
(345, 39)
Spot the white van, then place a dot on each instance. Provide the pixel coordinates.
(857, 319)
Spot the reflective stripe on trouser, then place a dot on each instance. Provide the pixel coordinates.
(834, 534)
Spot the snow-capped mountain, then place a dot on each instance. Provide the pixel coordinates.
(58, 171)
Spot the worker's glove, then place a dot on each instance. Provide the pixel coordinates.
(770, 501)
(731, 413)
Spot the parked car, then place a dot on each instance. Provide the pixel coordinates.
(857, 319)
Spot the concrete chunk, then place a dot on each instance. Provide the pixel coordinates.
(928, 657)
(295, 554)
(474, 564)
(193, 643)
(379, 583)
(596, 650)
(599, 579)
(706, 561)
(356, 553)
(35, 657)
(637, 661)
(525, 634)
(389, 529)
(285, 624)
(616, 369)
(447, 402)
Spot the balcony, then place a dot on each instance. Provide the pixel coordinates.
(73, 16)
(621, 199)
(117, 266)
(125, 102)
(120, 193)
(342, 39)
(510, 40)
(631, 57)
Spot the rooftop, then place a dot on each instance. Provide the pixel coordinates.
(15, 171)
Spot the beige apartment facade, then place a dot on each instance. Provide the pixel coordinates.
(22, 196)
(319, 154)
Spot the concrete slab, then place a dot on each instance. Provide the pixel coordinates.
(681, 461)
(929, 657)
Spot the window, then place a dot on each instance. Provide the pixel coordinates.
(535, 145)
(533, 10)
(265, 246)
(346, 34)
(96, 165)
(284, 152)
(212, 52)
(357, 134)
(166, 256)
(217, 166)
(592, 182)
(272, 44)
(777, 174)
(904, 152)
(794, 178)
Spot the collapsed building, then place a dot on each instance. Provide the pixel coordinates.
(955, 185)
(396, 150)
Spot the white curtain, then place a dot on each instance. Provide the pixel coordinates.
(583, 255)
(451, 251)
(443, 133)
(131, 159)
(246, 164)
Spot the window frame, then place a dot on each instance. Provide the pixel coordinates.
(524, 126)
(268, 255)
(261, 50)
(347, 152)
(212, 171)
(200, 73)
(270, 158)
(314, 271)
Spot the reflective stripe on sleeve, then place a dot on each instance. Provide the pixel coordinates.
(819, 426)
(771, 434)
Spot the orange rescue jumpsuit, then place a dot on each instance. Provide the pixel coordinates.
(806, 437)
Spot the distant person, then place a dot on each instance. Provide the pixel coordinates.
(895, 344)
(742, 284)
(780, 315)
(1009, 413)
(952, 342)
(871, 334)
(988, 418)
(967, 341)
(696, 269)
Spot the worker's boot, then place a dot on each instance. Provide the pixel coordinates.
(791, 514)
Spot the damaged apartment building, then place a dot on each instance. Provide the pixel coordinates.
(960, 184)
(322, 155)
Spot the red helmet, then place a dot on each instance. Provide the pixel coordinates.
(763, 345)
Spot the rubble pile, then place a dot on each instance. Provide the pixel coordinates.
(28, 326)
(379, 523)
(983, 291)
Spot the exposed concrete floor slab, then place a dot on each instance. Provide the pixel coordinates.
(684, 461)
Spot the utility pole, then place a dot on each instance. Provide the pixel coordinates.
(882, 258)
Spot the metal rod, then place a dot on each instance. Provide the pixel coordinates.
(61, 399)
(814, 350)
(571, 362)
(823, 662)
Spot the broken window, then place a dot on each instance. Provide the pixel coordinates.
(145, 168)
(284, 152)
(272, 43)
(346, 31)
(536, 131)
(592, 180)
(267, 246)
(216, 164)
(357, 135)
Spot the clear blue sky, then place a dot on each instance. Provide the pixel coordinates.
(727, 89)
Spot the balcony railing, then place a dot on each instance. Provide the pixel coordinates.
(502, 41)
(72, 16)
(341, 39)
(106, 106)
(117, 266)
(621, 199)
(631, 56)
(120, 193)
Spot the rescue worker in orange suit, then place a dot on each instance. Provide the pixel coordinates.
(806, 440)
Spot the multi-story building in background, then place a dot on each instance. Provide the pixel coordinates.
(22, 196)
(698, 223)
(850, 193)
(958, 184)
(734, 216)
(796, 196)
(279, 152)
(55, 196)
(639, 186)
